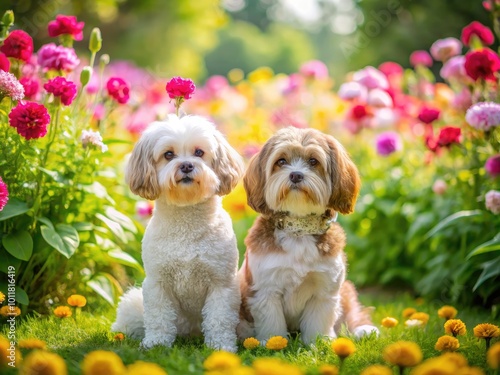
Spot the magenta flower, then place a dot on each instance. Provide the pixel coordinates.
(61, 88)
(420, 57)
(30, 119)
(118, 89)
(31, 86)
(10, 86)
(4, 194)
(492, 201)
(454, 70)
(448, 136)
(443, 49)
(387, 143)
(428, 115)
(180, 87)
(475, 28)
(492, 165)
(55, 57)
(483, 115)
(66, 25)
(4, 62)
(144, 209)
(371, 78)
(390, 68)
(18, 45)
(482, 64)
(314, 69)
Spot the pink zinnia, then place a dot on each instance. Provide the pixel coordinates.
(420, 57)
(449, 135)
(30, 119)
(443, 49)
(483, 115)
(66, 25)
(61, 88)
(439, 187)
(4, 62)
(18, 45)
(10, 86)
(492, 165)
(390, 68)
(379, 98)
(371, 78)
(31, 86)
(144, 209)
(352, 90)
(483, 33)
(180, 87)
(118, 90)
(387, 143)
(428, 115)
(55, 57)
(4, 194)
(454, 69)
(492, 201)
(482, 64)
(314, 69)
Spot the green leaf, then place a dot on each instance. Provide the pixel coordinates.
(21, 296)
(64, 238)
(126, 259)
(19, 244)
(8, 260)
(46, 221)
(121, 219)
(488, 246)
(56, 176)
(83, 226)
(114, 227)
(490, 269)
(450, 219)
(103, 287)
(98, 190)
(14, 207)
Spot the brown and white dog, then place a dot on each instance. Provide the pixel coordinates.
(293, 275)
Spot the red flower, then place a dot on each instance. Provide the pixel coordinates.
(30, 119)
(61, 88)
(4, 62)
(180, 87)
(4, 194)
(479, 30)
(359, 111)
(18, 45)
(448, 136)
(483, 63)
(31, 86)
(118, 90)
(428, 115)
(66, 25)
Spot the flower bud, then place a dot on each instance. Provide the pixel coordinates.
(8, 18)
(95, 43)
(85, 75)
(104, 60)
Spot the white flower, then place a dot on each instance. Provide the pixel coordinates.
(410, 323)
(92, 138)
(492, 201)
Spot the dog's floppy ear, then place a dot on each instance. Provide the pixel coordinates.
(140, 173)
(227, 164)
(345, 178)
(254, 181)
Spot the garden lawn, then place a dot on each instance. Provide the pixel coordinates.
(91, 331)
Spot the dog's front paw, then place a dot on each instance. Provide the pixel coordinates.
(150, 342)
(228, 348)
(365, 330)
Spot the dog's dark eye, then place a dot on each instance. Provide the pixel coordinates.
(313, 162)
(169, 155)
(281, 162)
(199, 153)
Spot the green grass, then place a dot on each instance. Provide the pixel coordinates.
(72, 340)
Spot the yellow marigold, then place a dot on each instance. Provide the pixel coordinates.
(447, 343)
(276, 343)
(423, 317)
(77, 300)
(455, 358)
(32, 344)
(493, 356)
(2, 297)
(447, 312)
(486, 331)
(221, 360)
(343, 347)
(409, 311)
(389, 322)
(119, 337)
(62, 312)
(260, 74)
(145, 368)
(243, 370)
(43, 362)
(455, 327)
(403, 354)
(5, 352)
(328, 370)
(8, 311)
(103, 362)
(435, 366)
(470, 371)
(251, 343)
(274, 366)
(377, 370)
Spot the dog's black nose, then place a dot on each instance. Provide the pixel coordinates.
(186, 167)
(296, 177)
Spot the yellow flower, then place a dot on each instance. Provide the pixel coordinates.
(423, 317)
(377, 370)
(455, 358)
(409, 311)
(102, 362)
(5, 352)
(328, 370)
(8, 311)
(276, 343)
(243, 370)
(403, 354)
(493, 356)
(119, 337)
(32, 344)
(389, 322)
(470, 371)
(447, 343)
(43, 362)
(260, 74)
(447, 312)
(235, 75)
(455, 327)
(62, 312)
(251, 343)
(2, 297)
(221, 361)
(274, 366)
(145, 368)
(435, 366)
(343, 347)
(77, 300)
(486, 331)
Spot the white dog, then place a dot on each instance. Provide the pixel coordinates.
(293, 276)
(189, 247)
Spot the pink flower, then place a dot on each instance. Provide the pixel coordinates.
(454, 70)
(144, 209)
(61, 88)
(387, 143)
(462, 100)
(18, 45)
(482, 32)
(91, 138)
(4, 194)
(492, 201)
(483, 115)
(449, 135)
(439, 187)
(352, 90)
(379, 98)
(371, 78)
(390, 68)
(30, 119)
(31, 86)
(443, 49)
(4, 62)
(482, 64)
(492, 165)
(314, 69)
(66, 25)
(420, 57)
(10, 86)
(428, 115)
(118, 89)
(179, 87)
(55, 57)
(215, 84)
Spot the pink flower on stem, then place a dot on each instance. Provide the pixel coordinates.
(420, 57)
(18, 45)
(443, 49)
(492, 201)
(180, 89)
(477, 29)
(448, 136)
(454, 70)
(118, 89)
(31, 86)
(428, 115)
(66, 25)
(10, 86)
(4, 194)
(483, 115)
(390, 68)
(4, 62)
(439, 187)
(144, 209)
(387, 143)
(379, 98)
(352, 90)
(482, 64)
(30, 119)
(314, 69)
(371, 78)
(492, 166)
(61, 88)
(55, 57)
